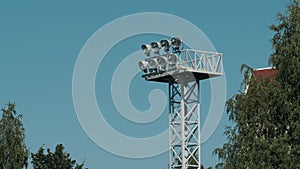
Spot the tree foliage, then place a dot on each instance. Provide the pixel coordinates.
(266, 130)
(13, 151)
(54, 160)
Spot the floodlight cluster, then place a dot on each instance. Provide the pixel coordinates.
(159, 62)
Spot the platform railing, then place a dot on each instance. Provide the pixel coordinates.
(189, 59)
(201, 61)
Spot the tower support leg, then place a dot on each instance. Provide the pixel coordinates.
(184, 117)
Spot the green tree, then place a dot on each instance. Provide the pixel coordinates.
(13, 151)
(54, 160)
(286, 59)
(266, 130)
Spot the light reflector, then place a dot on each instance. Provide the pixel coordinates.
(146, 49)
(173, 59)
(176, 42)
(162, 61)
(153, 63)
(143, 65)
(155, 47)
(165, 44)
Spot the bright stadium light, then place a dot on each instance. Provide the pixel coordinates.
(146, 49)
(155, 47)
(143, 65)
(162, 61)
(173, 59)
(165, 44)
(153, 63)
(176, 43)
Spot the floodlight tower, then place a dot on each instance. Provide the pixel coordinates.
(182, 69)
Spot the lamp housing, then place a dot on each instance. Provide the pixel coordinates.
(146, 49)
(166, 44)
(155, 47)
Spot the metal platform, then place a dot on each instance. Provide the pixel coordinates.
(193, 65)
(174, 75)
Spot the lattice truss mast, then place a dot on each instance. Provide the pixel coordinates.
(182, 69)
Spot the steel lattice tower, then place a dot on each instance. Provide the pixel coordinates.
(184, 124)
(183, 72)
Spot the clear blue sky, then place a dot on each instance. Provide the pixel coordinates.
(41, 40)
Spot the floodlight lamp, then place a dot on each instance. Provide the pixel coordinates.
(165, 44)
(153, 63)
(143, 65)
(176, 42)
(173, 59)
(155, 47)
(162, 61)
(146, 49)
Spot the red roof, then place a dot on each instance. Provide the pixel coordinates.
(265, 72)
(268, 72)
